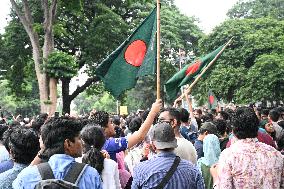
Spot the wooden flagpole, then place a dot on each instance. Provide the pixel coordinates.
(158, 50)
(188, 90)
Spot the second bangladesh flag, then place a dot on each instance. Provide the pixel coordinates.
(135, 57)
(188, 74)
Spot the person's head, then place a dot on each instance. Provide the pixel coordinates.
(245, 123)
(208, 128)
(221, 126)
(211, 149)
(144, 115)
(103, 119)
(208, 117)
(163, 137)
(23, 144)
(93, 139)
(223, 115)
(264, 114)
(269, 128)
(184, 115)
(135, 124)
(62, 136)
(171, 116)
(198, 113)
(281, 111)
(116, 120)
(274, 115)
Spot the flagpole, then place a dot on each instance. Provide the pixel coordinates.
(188, 90)
(158, 50)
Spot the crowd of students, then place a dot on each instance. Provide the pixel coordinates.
(158, 148)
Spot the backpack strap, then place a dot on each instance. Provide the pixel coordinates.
(75, 172)
(169, 173)
(45, 171)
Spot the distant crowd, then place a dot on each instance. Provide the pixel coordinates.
(172, 147)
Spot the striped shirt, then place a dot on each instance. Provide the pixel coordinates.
(149, 174)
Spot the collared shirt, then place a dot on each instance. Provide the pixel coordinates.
(7, 177)
(250, 164)
(115, 145)
(60, 165)
(148, 174)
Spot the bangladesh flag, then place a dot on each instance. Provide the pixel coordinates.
(188, 74)
(135, 57)
(212, 100)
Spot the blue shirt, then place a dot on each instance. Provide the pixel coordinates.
(199, 148)
(6, 165)
(60, 165)
(149, 174)
(115, 145)
(7, 177)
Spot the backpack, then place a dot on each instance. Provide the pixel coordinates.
(70, 180)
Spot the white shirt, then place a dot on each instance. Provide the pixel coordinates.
(110, 174)
(186, 150)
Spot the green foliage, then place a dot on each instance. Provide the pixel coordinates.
(60, 64)
(231, 78)
(267, 78)
(86, 103)
(257, 9)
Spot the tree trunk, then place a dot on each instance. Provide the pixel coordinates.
(66, 99)
(53, 95)
(25, 15)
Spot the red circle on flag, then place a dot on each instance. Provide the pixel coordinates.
(135, 53)
(193, 68)
(211, 99)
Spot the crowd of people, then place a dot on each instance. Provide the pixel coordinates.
(172, 147)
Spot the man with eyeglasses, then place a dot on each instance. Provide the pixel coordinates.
(185, 148)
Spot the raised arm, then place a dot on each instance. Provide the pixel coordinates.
(139, 135)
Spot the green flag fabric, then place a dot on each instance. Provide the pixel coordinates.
(188, 74)
(135, 57)
(212, 100)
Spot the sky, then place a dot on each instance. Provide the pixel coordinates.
(210, 12)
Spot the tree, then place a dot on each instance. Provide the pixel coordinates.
(236, 74)
(47, 86)
(257, 9)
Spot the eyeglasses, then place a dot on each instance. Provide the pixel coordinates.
(165, 120)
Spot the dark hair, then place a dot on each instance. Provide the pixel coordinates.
(274, 115)
(199, 111)
(221, 126)
(224, 115)
(184, 115)
(145, 115)
(265, 112)
(173, 113)
(208, 117)
(101, 118)
(55, 131)
(3, 128)
(116, 120)
(23, 144)
(94, 139)
(245, 123)
(135, 124)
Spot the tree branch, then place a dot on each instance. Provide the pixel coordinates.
(27, 12)
(52, 12)
(83, 87)
(20, 15)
